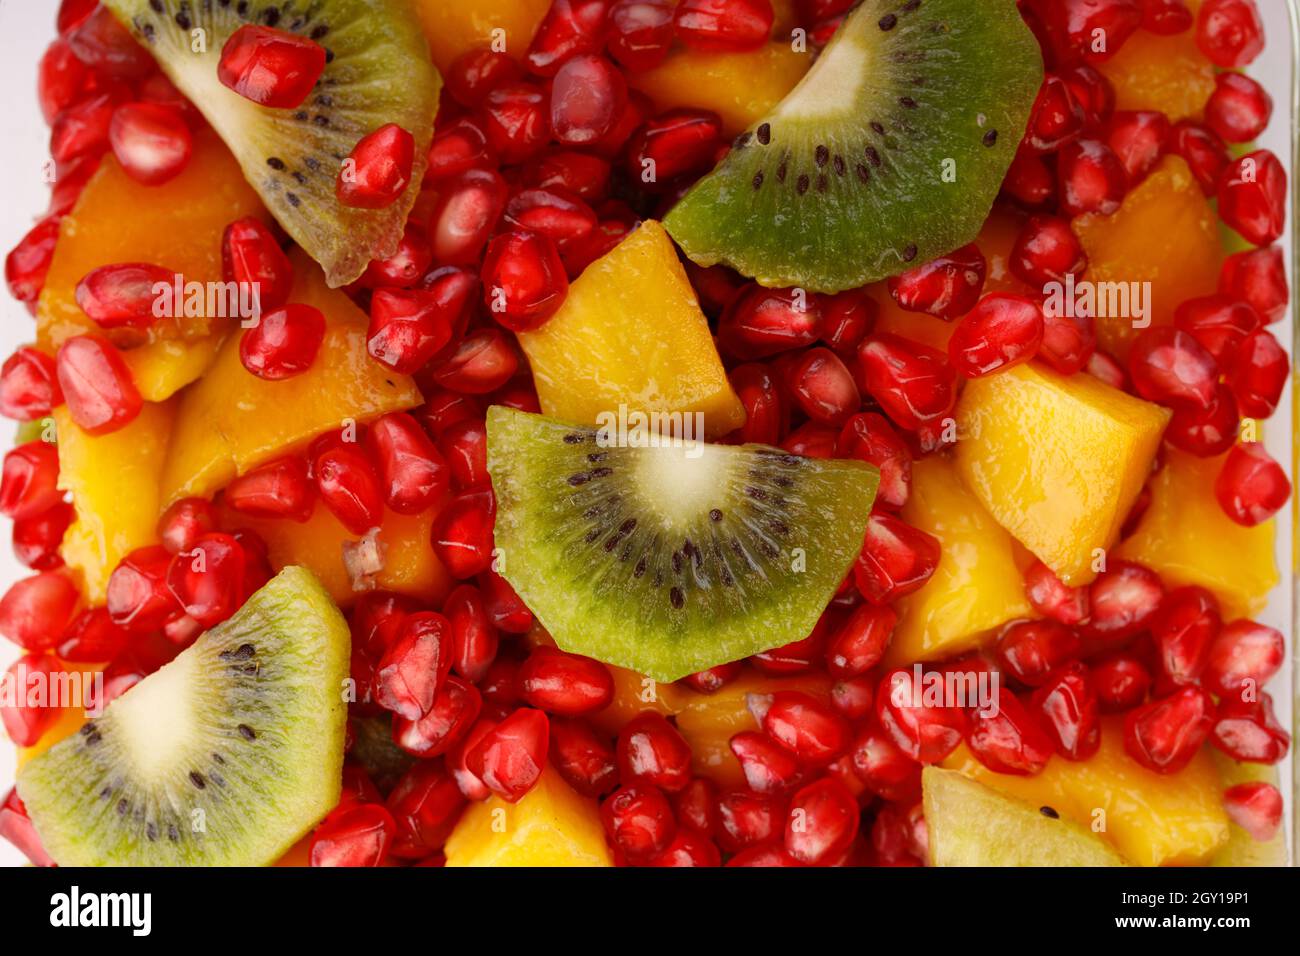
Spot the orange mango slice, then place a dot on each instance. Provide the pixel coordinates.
(453, 28)
(1165, 73)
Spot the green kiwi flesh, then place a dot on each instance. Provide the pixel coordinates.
(670, 560)
(890, 151)
(378, 72)
(224, 757)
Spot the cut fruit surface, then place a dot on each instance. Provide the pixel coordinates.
(225, 756)
(669, 560)
(453, 27)
(631, 333)
(1057, 461)
(844, 182)
(378, 72)
(972, 825)
(1164, 73)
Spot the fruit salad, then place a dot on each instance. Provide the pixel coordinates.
(651, 433)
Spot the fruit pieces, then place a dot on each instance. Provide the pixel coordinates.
(1058, 461)
(970, 824)
(551, 825)
(1165, 233)
(977, 586)
(1242, 849)
(455, 28)
(1185, 537)
(231, 421)
(725, 551)
(262, 691)
(858, 138)
(631, 333)
(114, 483)
(1164, 73)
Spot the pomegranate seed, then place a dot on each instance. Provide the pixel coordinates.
(284, 343)
(1056, 119)
(184, 522)
(465, 448)
(511, 758)
(639, 821)
(869, 437)
(37, 540)
(688, 849)
(409, 326)
(1030, 181)
(860, 642)
(413, 474)
(578, 254)
(1243, 658)
(446, 723)
(715, 678)
(823, 821)
(697, 806)
(1256, 807)
(482, 362)
(853, 698)
(1251, 487)
(1102, 366)
(1045, 251)
(1230, 32)
(1206, 432)
(768, 767)
(271, 67)
(16, 827)
(465, 215)
(278, 489)
(1010, 740)
(1257, 277)
(640, 33)
(1170, 366)
(748, 819)
(92, 637)
(554, 213)
(457, 149)
(1239, 109)
(524, 282)
(570, 28)
(69, 185)
(807, 727)
(104, 45)
(138, 598)
(1069, 342)
(587, 95)
(1121, 683)
(896, 560)
(151, 141)
(1074, 25)
(60, 80)
(1069, 708)
(1202, 150)
(517, 121)
(30, 480)
(208, 580)
(1093, 92)
(1187, 621)
(1166, 17)
(1258, 373)
(425, 806)
(470, 786)
(475, 73)
(474, 638)
(573, 173)
(565, 684)
(1252, 197)
(354, 834)
(914, 384)
(673, 146)
(765, 404)
(28, 711)
(349, 488)
(378, 169)
(847, 317)
(406, 266)
(462, 533)
(797, 657)
(1138, 138)
(35, 610)
(97, 384)
(1092, 178)
(82, 128)
(724, 26)
(767, 855)
(1002, 331)
(123, 295)
(823, 387)
(651, 751)
(925, 733)
(444, 409)
(1123, 599)
(1166, 734)
(1246, 729)
(1052, 598)
(584, 759)
(946, 287)
(29, 261)
(251, 256)
(1218, 323)
(1031, 650)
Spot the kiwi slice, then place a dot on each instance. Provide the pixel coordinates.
(378, 72)
(672, 559)
(890, 151)
(224, 757)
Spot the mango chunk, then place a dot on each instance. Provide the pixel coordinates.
(1185, 537)
(1165, 233)
(1057, 461)
(631, 334)
(552, 825)
(1151, 819)
(114, 482)
(453, 28)
(634, 693)
(976, 588)
(231, 420)
(741, 88)
(1165, 73)
(163, 367)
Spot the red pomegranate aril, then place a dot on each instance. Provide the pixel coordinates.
(349, 488)
(29, 486)
(1138, 138)
(1252, 197)
(353, 835)
(566, 684)
(185, 521)
(810, 729)
(768, 767)
(570, 172)
(517, 120)
(123, 294)
(822, 822)
(1004, 330)
(466, 213)
(524, 281)
(138, 597)
(914, 383)
(869, 437)
(475, 73)
(408, 264)
(28, 262)
(767, 855)
(1251, 486)
(583, 758)
(378, 170)
(35, 610)
(1046, 251)
(1245, 728)
(570, 28)
(638, 820)
(1053, 598)
(1123, 599)
(1009, 740)
(1230, 32)
(1219, 323)
(847, 317)
(1102, 366)
(811, 440)
(464, 446)
(766, 415)
(69, 184)
(1092, 178)
(1093, 91)
(925, 733)
(425, 806)
(152, 142)
(412, 472)
(409, 326)
(946, 287)
(1207, 432)
(27, 710)
(1187, 621)
(61, 78)
(823, 387)
(715, 678)
(748, 819)
(1203, 151)
(1243, 658)
(470, 786)
(1056, 119)
(1256, 807)
(723, 26)
(555, 213)
(17, 828)
(507, 611)
(697, 806)
(462, 533)
(97, 384)
(1257, 373)
(1166, 17)
(1171, 367)
(896, 559)
(280, 488)
(92, 637)
(673, 146)
(1031, 650)
(511, 758)
(1068, 708)
(651, 751)
(272, 68)
(1257, 277)
(859, 643)
(1074, 26)
(82, 128)
(37, 540)
(104, 45)
(251, 256)
(443, 409)
(482, 362)
(640, 33)
(460, 147)
(1121, 682)
(578, 254)
(688, 849)
(474, 639)
(1030, 181)
(853, 697)
(588, 94)
(208, 580)
(283, 343)
(446, 723)
(796, 657)
(1069, 341)
(1166, 734)
(1239, 109)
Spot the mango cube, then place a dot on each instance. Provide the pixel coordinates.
(1185, 537)
(552, 825)
(1058, 461)
(977, 587)
(1164, 73)
(631, 334)
(452, 28)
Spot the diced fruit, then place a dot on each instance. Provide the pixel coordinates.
(977, 586)
(969, 824)
(631, 333)
(1164, 73)
(1058, 461)
(1183, 515)
(455, 28)
(551, 825)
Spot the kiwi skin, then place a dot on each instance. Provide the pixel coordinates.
(830, 193)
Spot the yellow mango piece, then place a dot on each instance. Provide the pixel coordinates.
(1152, 819)
(976, 588)
(114, 483)
(1165, 73)
(634, 693)
(454, 27)
(741, 88)
(1185, 537)
(551, 825)
(163, 367)
(1165, 233)
(709, 721)
(631, 334)
(1057, 461)
(231, 420)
